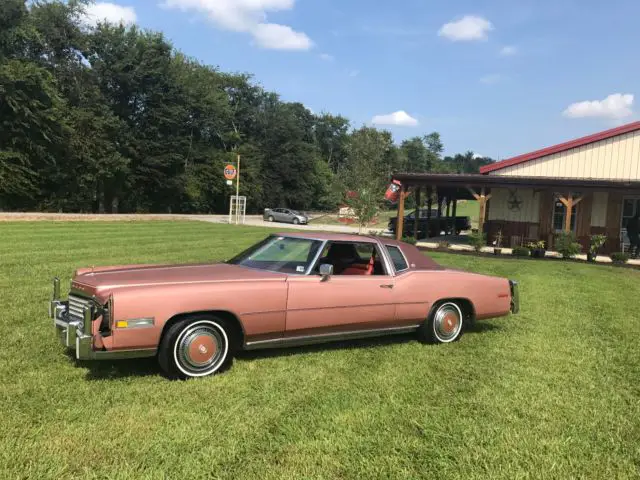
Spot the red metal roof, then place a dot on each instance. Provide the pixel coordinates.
(579, 142)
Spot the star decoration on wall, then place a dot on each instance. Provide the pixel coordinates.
(514, 203)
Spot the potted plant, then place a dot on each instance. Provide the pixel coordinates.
(538, 249)
(596, 242)
(497, 243)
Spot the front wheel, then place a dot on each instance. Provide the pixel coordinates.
(444, 325)
(296, 221)
(195, 347)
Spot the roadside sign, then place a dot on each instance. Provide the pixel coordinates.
(229, 182)
(230, 172)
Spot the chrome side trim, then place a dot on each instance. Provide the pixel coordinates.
(515, 296)
(388, 266)
(328, 337)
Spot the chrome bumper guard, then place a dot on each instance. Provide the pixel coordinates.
(515, 296)
(77, 335)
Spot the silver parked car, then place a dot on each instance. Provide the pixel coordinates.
(285, 215)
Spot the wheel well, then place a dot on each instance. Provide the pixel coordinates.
(237, 333)
(468, 311)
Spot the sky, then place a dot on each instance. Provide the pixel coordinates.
(498, 77)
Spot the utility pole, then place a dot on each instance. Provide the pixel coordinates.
(238, 192)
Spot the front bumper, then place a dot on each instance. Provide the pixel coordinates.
(77, 334)
(515, 296)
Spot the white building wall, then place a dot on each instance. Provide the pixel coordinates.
(616, 158)
(529, 208)
(599, 209)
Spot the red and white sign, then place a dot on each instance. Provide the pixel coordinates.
(230, 172)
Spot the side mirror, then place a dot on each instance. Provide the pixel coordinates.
(326, 270)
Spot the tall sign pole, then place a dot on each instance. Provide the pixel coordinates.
(238, 193)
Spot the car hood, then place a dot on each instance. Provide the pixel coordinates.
(100, 279)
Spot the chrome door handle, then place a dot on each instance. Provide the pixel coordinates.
(386, 286)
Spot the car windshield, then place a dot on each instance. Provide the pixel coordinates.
(280, 254)
(295, 212)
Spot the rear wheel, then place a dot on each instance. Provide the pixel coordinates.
(270, 218)
(444, 325)
(196, 346)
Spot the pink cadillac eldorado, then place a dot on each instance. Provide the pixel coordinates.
(289, 289)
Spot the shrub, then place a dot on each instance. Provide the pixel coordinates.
(477, 240)
(539, 245)
(596, 242)
(444, 244)
(521, 252)
(567, 246)
(619, 257)
(410, 240)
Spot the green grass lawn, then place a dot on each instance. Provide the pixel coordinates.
(551, 393)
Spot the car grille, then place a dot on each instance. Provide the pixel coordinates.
(76, 306)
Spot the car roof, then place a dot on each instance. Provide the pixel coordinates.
(334, 237)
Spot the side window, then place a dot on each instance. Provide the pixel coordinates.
(397, 258)
(350, 258)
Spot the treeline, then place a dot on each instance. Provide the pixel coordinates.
(114, 119)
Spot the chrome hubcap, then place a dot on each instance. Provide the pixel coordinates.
(200, 348)
(447, 322)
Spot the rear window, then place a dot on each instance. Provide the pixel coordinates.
(397, 258)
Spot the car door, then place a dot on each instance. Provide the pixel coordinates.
(287, 216)
(279, 215)
(340, 303)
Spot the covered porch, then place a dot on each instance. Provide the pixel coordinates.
(525, 209)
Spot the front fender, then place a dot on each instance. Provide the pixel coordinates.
(260, 306)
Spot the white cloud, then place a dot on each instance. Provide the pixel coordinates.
(468, 28)
(327, 57)
(491, 79)
(280, 37)
(399, 118)
(508, 50)
(249, 16)
(108, 12)
(615, 106)
(477, 155)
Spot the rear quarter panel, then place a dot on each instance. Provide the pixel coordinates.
(259, 305)
(417, 291)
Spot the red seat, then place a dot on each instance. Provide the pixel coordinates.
(356, 270)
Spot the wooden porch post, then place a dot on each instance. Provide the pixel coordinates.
(454, 213)
(429, 207)
(400, 222)
(482, 199)
(416, 221)
(569, 202)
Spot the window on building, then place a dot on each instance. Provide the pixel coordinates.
(629, 208)
(560, 215)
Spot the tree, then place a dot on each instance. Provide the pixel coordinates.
(364, 173)
(416, 157)
(467, 162)
(332, 136)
